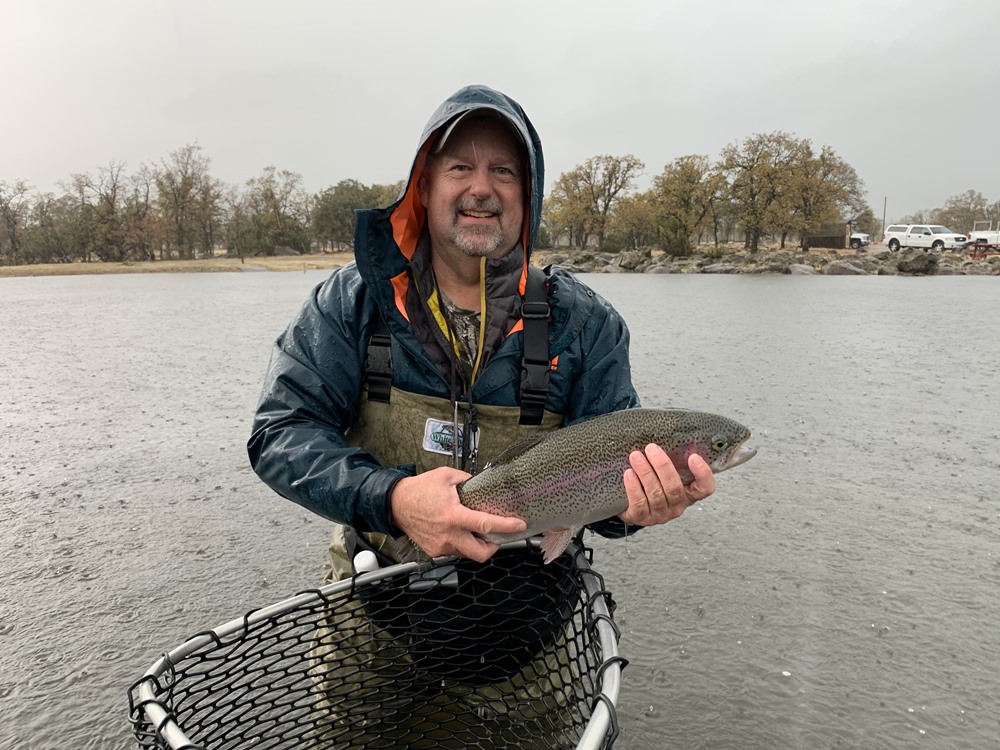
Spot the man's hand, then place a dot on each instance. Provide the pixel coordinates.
(654, 488)
(426, 507)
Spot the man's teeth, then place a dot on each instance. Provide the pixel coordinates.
(478, 214)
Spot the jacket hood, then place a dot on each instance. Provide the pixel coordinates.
(408, 214)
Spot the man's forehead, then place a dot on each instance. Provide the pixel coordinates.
(484, 127)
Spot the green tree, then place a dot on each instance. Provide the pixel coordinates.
(822, 189)
(866, 221)
(50, 234)
(582, 200)
(270, 216)
(567, 210)
(634, 220)
(386, 195)
(333, 212)
(758, 172)
(684, 196)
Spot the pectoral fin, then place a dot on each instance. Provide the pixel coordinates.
(407, 550)
(554, 541)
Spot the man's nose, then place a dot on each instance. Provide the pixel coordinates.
(481, 185)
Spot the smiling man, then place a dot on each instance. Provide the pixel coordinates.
(473, 190)
(424, 336)
(423, 360)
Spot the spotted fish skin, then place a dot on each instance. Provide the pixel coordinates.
(563, 480)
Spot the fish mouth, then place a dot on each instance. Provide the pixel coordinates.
(739, 456)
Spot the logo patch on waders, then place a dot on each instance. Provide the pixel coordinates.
(442, 437)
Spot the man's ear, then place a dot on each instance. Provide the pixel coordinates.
(422, 189)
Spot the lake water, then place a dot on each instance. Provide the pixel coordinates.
(842, 590)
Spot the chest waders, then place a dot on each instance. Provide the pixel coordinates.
(392, 424)
(480, 623)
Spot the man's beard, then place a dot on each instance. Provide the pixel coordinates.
(477, 242)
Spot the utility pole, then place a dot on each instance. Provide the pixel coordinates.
(885, 202)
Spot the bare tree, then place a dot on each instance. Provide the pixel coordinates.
(961, 212)
(190, 202)
(14, 205)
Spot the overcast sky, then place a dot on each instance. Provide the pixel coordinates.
(907, 92)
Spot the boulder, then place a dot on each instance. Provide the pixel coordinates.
(801, 269)
(843, 268)
(913, 261)
(632, 260)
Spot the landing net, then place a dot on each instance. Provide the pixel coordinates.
(451, 654)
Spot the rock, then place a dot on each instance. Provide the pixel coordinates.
(632, 260)
(776, 261)
(801, 269)
(843, 268)
(916, 262)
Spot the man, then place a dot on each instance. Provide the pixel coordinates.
(445, 268)
(403, 372)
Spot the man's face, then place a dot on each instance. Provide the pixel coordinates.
(473, 191)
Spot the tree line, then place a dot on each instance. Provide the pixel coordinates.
(768, 186)
(959, 213)
(176, 209)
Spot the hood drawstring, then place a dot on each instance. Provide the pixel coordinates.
(469, 428)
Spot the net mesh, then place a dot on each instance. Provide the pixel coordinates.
(508, 654)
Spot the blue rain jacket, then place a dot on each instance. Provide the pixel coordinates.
(314, 381)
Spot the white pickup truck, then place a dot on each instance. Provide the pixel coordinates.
(927, 236)
(988, 236)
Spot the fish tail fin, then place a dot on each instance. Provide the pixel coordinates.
(554, 541)
(407, 550)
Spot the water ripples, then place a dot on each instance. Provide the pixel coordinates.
(838, 591)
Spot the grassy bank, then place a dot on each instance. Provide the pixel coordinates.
(207, 265)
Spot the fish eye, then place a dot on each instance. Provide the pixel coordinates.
(719, 442)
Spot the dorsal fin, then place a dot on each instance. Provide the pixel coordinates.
(519, 448)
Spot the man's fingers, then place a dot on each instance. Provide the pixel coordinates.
(649, 479)
(704, 480)
(487, 523)
(474, 548)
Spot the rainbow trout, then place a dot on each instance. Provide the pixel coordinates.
(560, 481)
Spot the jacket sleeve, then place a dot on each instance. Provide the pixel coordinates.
(604, 382)
(298, 445)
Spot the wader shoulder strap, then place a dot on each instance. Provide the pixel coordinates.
(535, 364)
(378, 362)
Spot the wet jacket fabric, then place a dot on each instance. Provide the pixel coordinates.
(300, 442)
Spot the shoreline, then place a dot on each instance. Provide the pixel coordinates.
(731, 259)
(278, 263)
